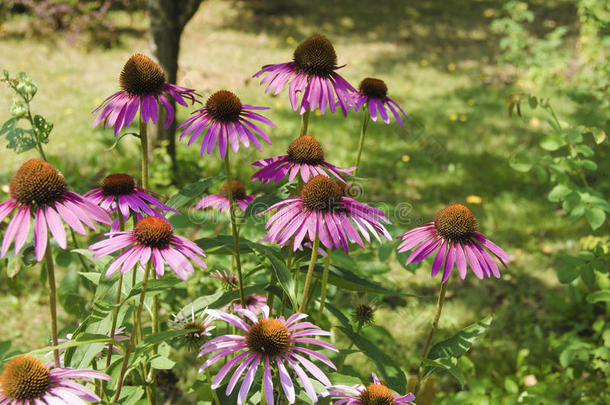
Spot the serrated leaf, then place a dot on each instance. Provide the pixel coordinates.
(449, 364)
(460, 343)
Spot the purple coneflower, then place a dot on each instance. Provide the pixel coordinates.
(454, 238)
(373, 394)
(221, 202)
(228, 121)
(305, 157)
(374, 94)
(119, 192)
(151, 239)
(254, 303)
(324, 211)
(312, 72)
(27, 381)
(201, 324)
(40, 191)
(268, 341)
(143, 87)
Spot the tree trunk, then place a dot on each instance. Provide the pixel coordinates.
(167, 21)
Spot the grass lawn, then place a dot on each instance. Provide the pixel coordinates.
(438, 59)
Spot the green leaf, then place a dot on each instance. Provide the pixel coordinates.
(189, 193)
(599, 296)
(598, 134)
(559, 192)
(71, 343)
(282, 272)
(449, 364)
(161, 363)
(100, 263)
(567, 274)
(68, 295)
(595, 216)
(552, 142)
(521, 162)
(164, 336)
(223, 245)
(155, 286)
(346, 279)
(387, 366)
(458, 344)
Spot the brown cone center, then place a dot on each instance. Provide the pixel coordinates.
(141, 75)
(118, 184)
(316, 56)
(321, 194)
(224, 106)
(364, 314)
(305, 149)
(268, 337)
(455, 223)
(24, 378)
(373, 88)
(153, 232)
(238, 190)
(38, 183)
(377, 394)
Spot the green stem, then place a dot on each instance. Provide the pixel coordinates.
(312, 263)
(324, 284)
(437, 316)
(115, 312)
(207, 375)
(144, 152)
(52, 301)
(234, 228)
(38, 141)
(133, 333)
(365, 123)
(305, 122)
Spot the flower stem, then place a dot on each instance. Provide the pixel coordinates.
(133, 333)
(207, 375)
(365, 123)
(324, 284)
(115, 312)
(304, 122)
(234, 228)
(439, 308)
(52, 301)
(312, 263)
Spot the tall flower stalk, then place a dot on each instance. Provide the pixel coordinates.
(365, 123)
(52, 301)
(234, 229)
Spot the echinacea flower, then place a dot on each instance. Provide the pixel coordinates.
(221, 202)
(229, 280)
(267, 342)
(27, 381)
(454, 238)
(373, 394)
(39, 191)
(254, 303)
(119, 192)
(305, 157)
(228, 121)
(373, 93)
(143, 87)
(202, 325)
(151, 239)
(312, 72)
(322, 209)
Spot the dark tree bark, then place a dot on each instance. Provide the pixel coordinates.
(167, 21)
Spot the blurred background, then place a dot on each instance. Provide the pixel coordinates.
(451, 66)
